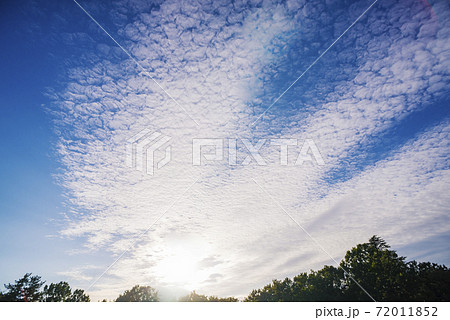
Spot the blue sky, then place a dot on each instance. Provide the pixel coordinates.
(30, 199)
(376, 106)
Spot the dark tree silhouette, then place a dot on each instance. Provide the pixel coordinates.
(322, 285)
(385, 275)
(195, 297)
(428, 282)
(57, 292)
(379, 270)
(61, 292)
(78, 295)
(139, 294)
(26, 289)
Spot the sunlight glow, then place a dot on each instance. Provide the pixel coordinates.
(181, 265)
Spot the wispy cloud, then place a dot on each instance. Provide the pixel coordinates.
(223, 63)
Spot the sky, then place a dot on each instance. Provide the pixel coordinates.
(368, 89)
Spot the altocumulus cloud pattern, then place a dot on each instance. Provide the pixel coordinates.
(368, 104)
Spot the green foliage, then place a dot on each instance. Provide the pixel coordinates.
(384, 274)
(61, 292)
(28, 288)
(379, 270)
(139, 294)
(428, 282)
(78, 295)
(226, 299)
(274, 292)
(323, 285)
(195, 297)
(57, 292)
(25, 289)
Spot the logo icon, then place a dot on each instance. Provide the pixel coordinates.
(141, 149)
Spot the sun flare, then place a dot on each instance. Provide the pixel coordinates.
(181, 265)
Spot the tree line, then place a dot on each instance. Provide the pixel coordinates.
(369, 271)
(31, 288)
(382, 274)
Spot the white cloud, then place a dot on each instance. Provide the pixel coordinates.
(215, 60)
